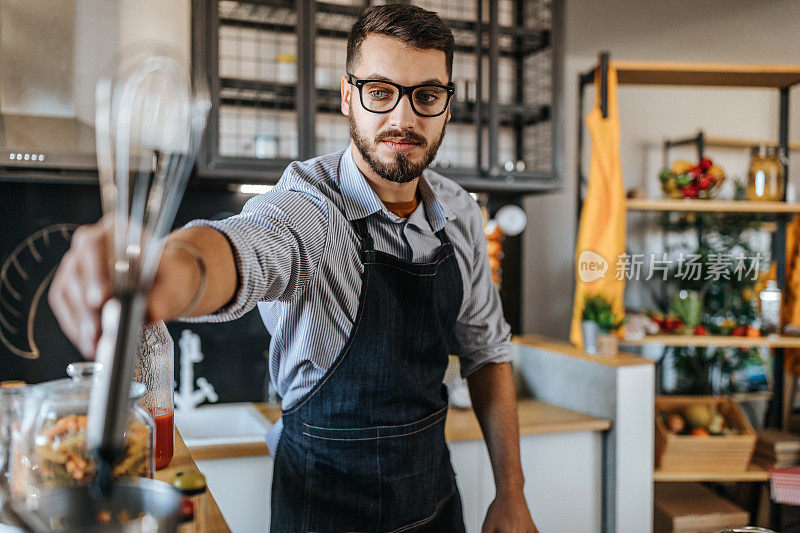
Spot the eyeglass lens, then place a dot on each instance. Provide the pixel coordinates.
(381, 97)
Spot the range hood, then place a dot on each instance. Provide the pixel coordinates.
(46, 143)
(51, 54)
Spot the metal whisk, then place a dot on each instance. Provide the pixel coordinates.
(149, 121)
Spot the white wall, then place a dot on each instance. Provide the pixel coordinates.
(95, 43)
(709, 31)
(35, 73)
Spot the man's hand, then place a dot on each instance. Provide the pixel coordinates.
(509, 513)
(82, 283)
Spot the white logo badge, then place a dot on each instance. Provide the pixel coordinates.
(591, 266)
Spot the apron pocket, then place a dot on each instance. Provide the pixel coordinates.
(416, 476)
(381, 478)
(342, 485)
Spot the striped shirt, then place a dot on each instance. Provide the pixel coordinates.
(297, 258)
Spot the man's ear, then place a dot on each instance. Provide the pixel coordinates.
(346, 88)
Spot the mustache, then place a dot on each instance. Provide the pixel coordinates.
(408, 136)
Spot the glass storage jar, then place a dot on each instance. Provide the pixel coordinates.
(765, 178)
(155, 368)
(52, 451)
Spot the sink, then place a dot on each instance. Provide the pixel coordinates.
(230, 423)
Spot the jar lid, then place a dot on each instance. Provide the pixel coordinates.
(763, 150)
(78, 386)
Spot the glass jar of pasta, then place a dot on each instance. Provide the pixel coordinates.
(52, 451)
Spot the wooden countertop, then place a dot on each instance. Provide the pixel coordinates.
(535, 418)
(565, 348)
(207, 516)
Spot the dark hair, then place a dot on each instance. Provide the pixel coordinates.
(417, 27)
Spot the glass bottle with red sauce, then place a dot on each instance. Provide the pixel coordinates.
(155, 367)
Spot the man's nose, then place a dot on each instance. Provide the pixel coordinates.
(403, 116)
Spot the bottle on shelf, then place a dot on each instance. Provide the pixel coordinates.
(771, 308)
(765, 176)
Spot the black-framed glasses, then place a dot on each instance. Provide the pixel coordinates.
(381, 96)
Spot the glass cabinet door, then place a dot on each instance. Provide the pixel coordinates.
(275, 68)
(257, 64)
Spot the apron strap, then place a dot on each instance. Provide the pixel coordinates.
(366, 239)
(368, 245)
(443, 238)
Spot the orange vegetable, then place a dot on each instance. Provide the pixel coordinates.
(495, 234)
(494, 248)
(753, 332)
(700, 432)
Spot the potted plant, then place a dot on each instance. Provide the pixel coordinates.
(598, 323)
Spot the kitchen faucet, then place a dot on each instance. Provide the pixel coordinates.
(187, 397)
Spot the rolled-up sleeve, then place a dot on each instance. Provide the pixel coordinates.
(277, 240)
(482, 334)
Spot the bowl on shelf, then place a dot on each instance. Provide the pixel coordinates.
(683, 180)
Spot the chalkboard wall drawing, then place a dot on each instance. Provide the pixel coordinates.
(24, 276)
(36, 222)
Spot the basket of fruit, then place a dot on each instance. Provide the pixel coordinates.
(702, 433)
(685, 180)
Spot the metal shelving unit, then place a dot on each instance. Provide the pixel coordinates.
(778, 77)
(274, 68)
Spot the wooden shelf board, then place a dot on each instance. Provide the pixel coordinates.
(714, 206)
(731, 142)
(716, 340)
(753, 473)
(751, 396)
(706, 74)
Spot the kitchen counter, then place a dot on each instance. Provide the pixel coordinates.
(207, 516)
(540, 342)
(619, 388)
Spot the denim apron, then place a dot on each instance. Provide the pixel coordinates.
(364, 450)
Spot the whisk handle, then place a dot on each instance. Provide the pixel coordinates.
(121, 320)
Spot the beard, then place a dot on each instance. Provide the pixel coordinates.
(401, 169)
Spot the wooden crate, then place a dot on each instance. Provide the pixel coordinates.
(686, 453)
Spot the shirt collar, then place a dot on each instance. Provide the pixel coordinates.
(360, 200)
